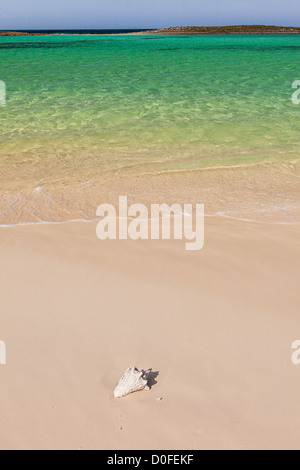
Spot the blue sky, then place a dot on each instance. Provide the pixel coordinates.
(64, 14)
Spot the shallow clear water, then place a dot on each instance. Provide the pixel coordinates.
(85, 108)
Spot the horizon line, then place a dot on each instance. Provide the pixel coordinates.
(150, 28)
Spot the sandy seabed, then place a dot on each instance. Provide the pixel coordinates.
(217, 325)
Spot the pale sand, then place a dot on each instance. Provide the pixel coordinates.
(217, 325)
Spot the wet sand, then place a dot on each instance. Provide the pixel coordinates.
(268, 192)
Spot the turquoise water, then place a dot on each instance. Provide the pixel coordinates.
(82, 108)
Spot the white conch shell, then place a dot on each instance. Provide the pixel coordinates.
(131, 381)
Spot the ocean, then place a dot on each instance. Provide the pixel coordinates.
(82, 109)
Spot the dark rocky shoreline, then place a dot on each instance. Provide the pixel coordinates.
(239, 29)
(18, 33)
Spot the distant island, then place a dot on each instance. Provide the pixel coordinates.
(18, 33)
(239, 29)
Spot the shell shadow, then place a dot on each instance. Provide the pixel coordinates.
(151, 380)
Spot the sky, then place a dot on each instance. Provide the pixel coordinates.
(122, 14)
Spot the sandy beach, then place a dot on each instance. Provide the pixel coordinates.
(217, 325)
(89, 116)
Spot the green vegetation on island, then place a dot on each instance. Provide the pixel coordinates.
(238, 29)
